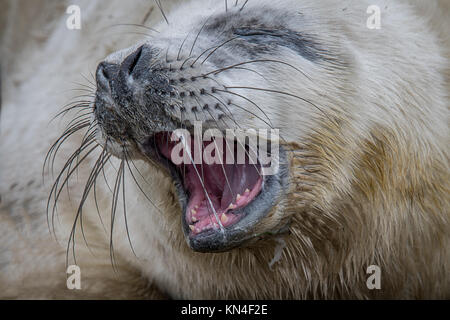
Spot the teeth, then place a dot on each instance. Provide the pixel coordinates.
(191, 227)
(194, 211)
(194, 219)
(224, 218)
(231, 206)
(196, 206)
(247, 191)
(238, 197)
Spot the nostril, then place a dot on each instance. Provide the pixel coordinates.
(135, 60)
(105, 69)
(105, 73)
(129, 64)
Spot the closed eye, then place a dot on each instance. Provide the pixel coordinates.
(269, 39)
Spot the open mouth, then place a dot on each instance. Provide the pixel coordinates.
(216, 191)
(223, 191)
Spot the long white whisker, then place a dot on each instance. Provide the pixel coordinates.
(186, 149)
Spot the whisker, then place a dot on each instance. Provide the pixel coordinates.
(139, 186)
(55, 187)
(56, 190)
(244, 109)
(224, 172)
(222, 160)
(198, 34)
(233, 146)
(85, 85)
(243, 6)
(167, 54)
(64, 137)
(217, 48)
(222, 103)
(79, 118)
(113, 213)
(158, 3)
(251, 70)
(181, 46)
(125, 206)
(57, 144)
(247, 99)
(205, 51)
(88, 186)
(103, 171)
(88, 137)
(283, 93)
(147, 35)
(135, 25)
(82, 104)
(104, 160)
(217, 71)
(94, 86)
(83, 90)
(203, 186)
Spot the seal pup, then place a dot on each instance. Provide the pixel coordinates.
(363, 176)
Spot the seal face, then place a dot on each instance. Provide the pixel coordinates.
(142, 99)
(209, 75)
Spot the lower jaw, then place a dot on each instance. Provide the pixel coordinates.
(204, 212)
(224, 238)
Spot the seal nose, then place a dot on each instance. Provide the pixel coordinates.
(114, 77)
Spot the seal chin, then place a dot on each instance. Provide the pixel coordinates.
(221, 202)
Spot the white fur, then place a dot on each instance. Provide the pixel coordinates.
(395, 78)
